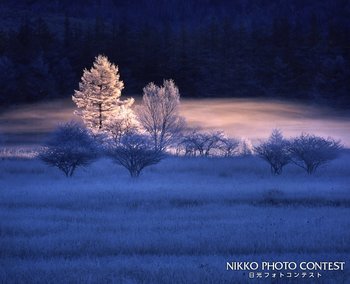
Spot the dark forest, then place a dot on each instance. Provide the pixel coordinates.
(275, 49)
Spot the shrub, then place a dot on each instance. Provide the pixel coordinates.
(70, 146)
(310, 152)
(136, 152)
(275, 151)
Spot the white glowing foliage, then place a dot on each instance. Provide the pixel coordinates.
(158, 114)
(124, 121)
(98, 95)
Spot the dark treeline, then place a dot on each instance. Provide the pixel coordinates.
(294, 50)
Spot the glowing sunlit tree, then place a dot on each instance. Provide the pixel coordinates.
(98, 97)
(124, 122)
(159, 114)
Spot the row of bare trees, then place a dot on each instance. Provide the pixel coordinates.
(72, 145)
(306, 151)
(201, 143)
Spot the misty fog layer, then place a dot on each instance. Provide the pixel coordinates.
(254, 119)
(243, 118)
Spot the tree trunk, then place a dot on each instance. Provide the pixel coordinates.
(100, 117)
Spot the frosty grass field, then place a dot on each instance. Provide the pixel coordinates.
(178, 223)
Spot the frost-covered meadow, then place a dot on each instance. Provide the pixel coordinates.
(158, 141)
(179, 222)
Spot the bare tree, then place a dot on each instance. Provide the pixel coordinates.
(228, 146)
(158, 114)
(310, 152)
(70, 146)
(135, 152)
(275, 151)
(198, 143)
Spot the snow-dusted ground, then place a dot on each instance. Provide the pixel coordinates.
(180, 222)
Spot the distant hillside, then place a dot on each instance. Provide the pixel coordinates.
(244, 48)
(182, 12)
